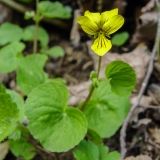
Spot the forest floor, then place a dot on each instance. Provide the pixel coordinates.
(143, 130)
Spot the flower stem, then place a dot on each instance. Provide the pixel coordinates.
(99, 66)
(92, 88)
(36, 29)
(88, 98)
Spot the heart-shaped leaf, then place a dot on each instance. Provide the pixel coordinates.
(106, 111)
(122, 77)
(58, 127)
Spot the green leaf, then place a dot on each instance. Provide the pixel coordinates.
(94, 136)
(86, 151)
(54, 10)
(122, 78)
(43, 36)
(120, 38)
(56, 51)
(8, 56)
(16, 134)
(104, 155)
(113, 156)
(106, 111)
(58, 127)
(103, 151)
(10, 33)
(16, 98)
(30, 72)
(8, 114)
(18, 131)
(23, 148)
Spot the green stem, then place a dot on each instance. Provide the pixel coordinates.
(92, 88)
(99, 66)
(35, 42)
(88, 98)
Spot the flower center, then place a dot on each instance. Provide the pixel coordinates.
(100, 30)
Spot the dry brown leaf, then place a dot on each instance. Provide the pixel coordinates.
(4, 148)
(151, 5)
(156, 135)
(155, 90)
(146, 25)
(145, 102)
(78, 93)
(144, 121)
(141, 157)
(146, 28)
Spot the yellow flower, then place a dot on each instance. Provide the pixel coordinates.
(101, 26)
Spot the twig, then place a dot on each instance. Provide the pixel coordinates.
(20, 8)
(143, 87)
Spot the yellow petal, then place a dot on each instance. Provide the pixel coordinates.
(105, 16)
(113, 24)
(87, 25)
(101, 45)
(94, 17)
